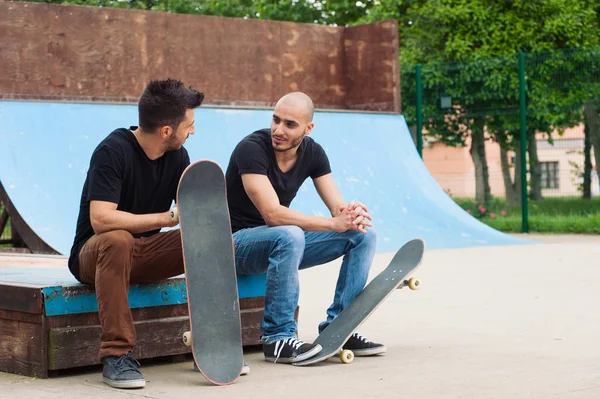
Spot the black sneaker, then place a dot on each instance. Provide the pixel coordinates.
(361, 346)
(122, 372)
(289, 350)
(245, 368)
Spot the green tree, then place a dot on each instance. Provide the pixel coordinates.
(485, 37)
(340, 13)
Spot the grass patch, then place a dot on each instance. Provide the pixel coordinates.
(567, 206)
(547, 224)
(564, 215)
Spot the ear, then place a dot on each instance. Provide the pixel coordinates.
(165, 132)
(309, 128)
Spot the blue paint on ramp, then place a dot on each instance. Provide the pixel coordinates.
(46, 149)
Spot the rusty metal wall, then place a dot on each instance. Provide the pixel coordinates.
(79, 53)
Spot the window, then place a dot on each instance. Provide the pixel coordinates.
(549, 174)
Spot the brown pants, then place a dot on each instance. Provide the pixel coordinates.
(112, 260)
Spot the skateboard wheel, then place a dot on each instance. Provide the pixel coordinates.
(174, 214)
(187, 338)
(414, 283)
(347, 356)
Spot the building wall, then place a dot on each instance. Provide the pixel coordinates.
(454, 171)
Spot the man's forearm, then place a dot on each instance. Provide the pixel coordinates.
(119, 220)
(283, 216)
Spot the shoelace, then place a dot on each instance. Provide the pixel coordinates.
(127, 363)
(279, 345)
(362, 338)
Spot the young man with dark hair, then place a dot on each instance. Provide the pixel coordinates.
(130, 186)
(265, 171)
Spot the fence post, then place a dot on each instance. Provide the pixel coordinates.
(419, 110)
(523, 138)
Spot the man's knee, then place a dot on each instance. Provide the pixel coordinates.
(290, 240)
(117, 240)
(290, 235)
(370, 236)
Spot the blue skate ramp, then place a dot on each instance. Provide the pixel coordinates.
(46, 147)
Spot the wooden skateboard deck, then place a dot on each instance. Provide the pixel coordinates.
(210, 274)
(333, 338)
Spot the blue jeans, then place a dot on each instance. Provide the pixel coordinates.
(283, 250)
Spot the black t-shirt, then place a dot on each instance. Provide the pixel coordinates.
(255, 154)
(120, 172)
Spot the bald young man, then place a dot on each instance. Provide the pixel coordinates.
(265, 171)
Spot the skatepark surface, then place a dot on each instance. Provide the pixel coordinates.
(516, 321)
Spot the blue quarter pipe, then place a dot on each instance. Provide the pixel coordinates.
(45, 149)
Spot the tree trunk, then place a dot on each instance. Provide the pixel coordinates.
(512, 187)
(482, 182)
(587, 164)
(591, 117)
(534, 168)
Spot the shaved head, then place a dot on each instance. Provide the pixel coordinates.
(299, 101)
(292, 120)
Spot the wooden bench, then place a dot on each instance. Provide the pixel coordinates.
(49, 321)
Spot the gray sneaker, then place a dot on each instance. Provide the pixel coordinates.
(122, 372)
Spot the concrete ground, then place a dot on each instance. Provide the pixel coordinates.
(491, 322)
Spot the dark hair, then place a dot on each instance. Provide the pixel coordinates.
(164, 103)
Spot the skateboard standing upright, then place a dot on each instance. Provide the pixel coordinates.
(209, 262)
(335, 335)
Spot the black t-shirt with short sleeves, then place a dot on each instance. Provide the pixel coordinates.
(255, 154)
(121, 172)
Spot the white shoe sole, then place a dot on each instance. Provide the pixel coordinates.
(245, 369)
(296, 359)
(130, 384)
(370, 352)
